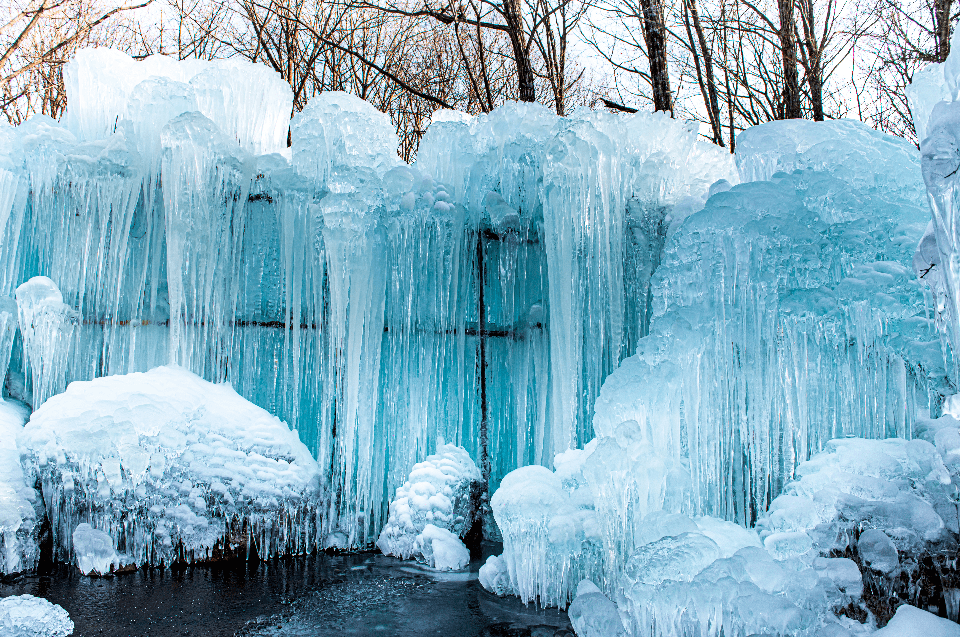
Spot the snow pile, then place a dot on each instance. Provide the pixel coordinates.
(20, 506)
(442, 492)
(94, 550)
(914, 622)
(29, 616)
(440, 549)
(172, 468)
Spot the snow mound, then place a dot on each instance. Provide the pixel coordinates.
(914, 622)
(441, 549)
(20, 504)
(440, 492)
(172, 467)
(29, 616)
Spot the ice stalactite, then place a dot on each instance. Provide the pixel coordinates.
(205, 184)
(49, 329)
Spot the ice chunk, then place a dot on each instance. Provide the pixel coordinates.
(442, 491)
(911, 621)
(29, 616)
(593, 614)
(337, 129)
(21, 508)
(495, 577)
(94, 549)
(440, 549)
(172, 467)
(49, 327)
(878, 551)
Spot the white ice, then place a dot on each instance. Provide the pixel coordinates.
(95, 552)
(21, 509)
(199, 461)
(29, 616)
(443, 492)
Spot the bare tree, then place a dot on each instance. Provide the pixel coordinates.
(36, 39)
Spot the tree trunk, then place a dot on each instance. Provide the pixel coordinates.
(788, 48)
(941, 18)
(655, 35)
(708, 84)
(521, 51)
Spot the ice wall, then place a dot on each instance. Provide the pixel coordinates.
(785, 314)
(936, 114)
(381, 309)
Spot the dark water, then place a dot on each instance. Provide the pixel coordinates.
(366, 594)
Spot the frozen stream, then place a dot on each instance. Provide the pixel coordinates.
(361, 594)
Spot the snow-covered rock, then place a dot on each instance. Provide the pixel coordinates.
(441, 492)
(172, 467)
(20, 504)
(29, 616)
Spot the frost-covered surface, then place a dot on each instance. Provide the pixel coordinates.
(29, 616)
(171, 467)
(442, 491)
(21, 508)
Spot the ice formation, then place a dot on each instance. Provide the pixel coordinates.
(21, 509)
(378, 308)
(443, 491)
(29, 616)
(441, 549)
(914, 622)
(95, 552)
(171, 468)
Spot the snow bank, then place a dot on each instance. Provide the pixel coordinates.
(21, 508)
(442, 492)
(173, 468)
(29, 616)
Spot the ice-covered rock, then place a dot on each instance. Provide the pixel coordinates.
(878, 551)
(440, 549)
(29, 616)
(21, 508)
(172, 467)
(442, 491)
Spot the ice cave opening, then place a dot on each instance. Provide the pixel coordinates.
(691, 392)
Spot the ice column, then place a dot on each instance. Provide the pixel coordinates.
(48, 326)
(583, 220)
(204, 191)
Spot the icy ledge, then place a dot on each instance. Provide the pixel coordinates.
(172, 468)
(29, 616)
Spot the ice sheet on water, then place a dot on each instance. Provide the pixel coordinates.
(29, 616)
(21, 508)
(172, 467)
(442, 491)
